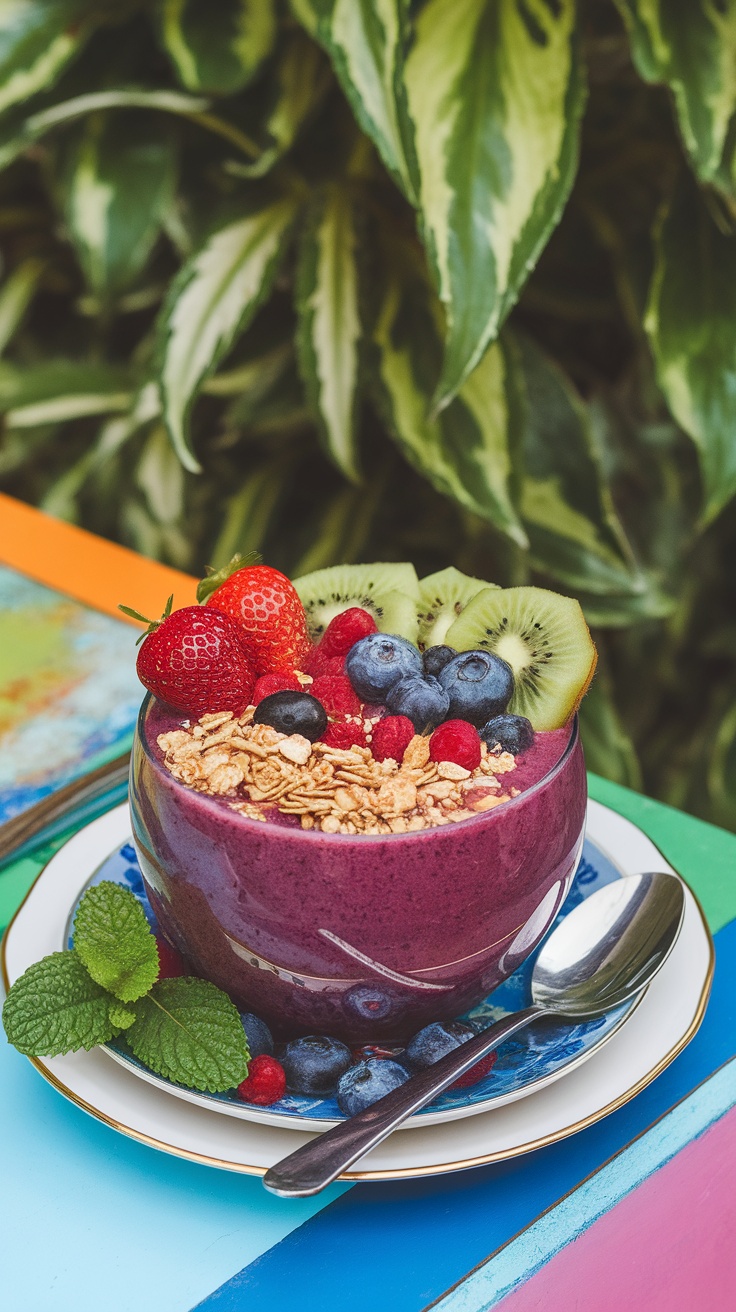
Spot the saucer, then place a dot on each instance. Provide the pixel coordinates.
(652, 1035)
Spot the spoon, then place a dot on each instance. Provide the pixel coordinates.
(601, 955)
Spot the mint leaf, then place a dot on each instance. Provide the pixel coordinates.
(189, 1031)
(113, 939)
(55, 1007)
(121, 1017)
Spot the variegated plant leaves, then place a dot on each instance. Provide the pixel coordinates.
(691, 322)
(213, 299)
(217, 48)
(38, 38)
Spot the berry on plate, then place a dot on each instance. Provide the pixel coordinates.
(377, 662)
(314, 1065)
(195, 661)
(265, 1082)
(268, 683)
(344, 734)
(364, 1084)
(292, 712)
(457, 741)
(479, 685)
(259, 1036)
(337, 695)
(476, 1073)
(391, 737)
(512, 733)
(435, 1041)
(345, 630)
(171, 965)
(423, 701)
(266, 606)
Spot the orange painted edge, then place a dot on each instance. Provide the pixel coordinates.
(92, 570)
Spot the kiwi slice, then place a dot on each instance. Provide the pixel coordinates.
(545, 640)
(442, 598)
(387, 591)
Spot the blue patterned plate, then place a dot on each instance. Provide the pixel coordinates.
(541, 1053)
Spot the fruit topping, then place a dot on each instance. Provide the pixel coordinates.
(478, 684)
(292, 712)
(386, 591)
(314, 1064)
(545, 640)
(266, 605)
(364, 1084)
(512, 733)
(265, 1082)
(377, 662)
(391, 737)
(476, 1073)
(345, 630)
(344, 734)
(195, 659)
(442, 598)
(435, 1041)
(171, 965)
(457, 741)
(336, 693)
(423, 701)
(268, 683)
(377, 1051)
(316, 663)
(260, 1039)
(435, 659)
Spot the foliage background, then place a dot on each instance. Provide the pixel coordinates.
(364, 279)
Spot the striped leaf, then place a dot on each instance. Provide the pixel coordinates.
(468, 451)
(59, 390)
(211, 301)
(495, 94)
(217, 47)
(118, 184)
(302, 78)
(38, 38)
(691, 322)
(365, 41)
(692, 48)
(329, 322)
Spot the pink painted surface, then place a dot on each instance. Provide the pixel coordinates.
(670, 1246)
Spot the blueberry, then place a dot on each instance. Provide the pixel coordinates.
(479, 685)
(377, 662)
(260, 1039)
(365, 1083)
(436, 658)
(315, 1064)
(513, 733)
(423, 701)
(435, 1040)
(292, 712)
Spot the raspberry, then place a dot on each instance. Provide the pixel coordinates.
(170, 964)
(269, 683)
(265, 1082)
(391, 737)
(344, 734)
(458, 741)
(336, 693)
(318, 662)
(476, 1072)
(345, 630)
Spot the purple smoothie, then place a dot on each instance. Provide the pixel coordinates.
(363, 937)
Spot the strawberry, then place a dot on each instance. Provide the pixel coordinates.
(266, 606)
(195, 660)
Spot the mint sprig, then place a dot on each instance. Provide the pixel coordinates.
(185, 1029)
(114, 940)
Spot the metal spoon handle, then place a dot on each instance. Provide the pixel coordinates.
(320, 1161)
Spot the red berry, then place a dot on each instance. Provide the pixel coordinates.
(344, 734)
(197, 660)
(265, 1082)
(269, 683)
(266, 605)
(458, 741)
(476, 1072)
(170, 964)
(337, 695)
(374, 1050)
(317, 662)
(345, 630)
(391, 737)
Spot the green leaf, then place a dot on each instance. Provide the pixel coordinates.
(16, 295)
(691, 322)
(495, 93)
(211, 301)
(329, 322)
(609, 750)
(467, 452)
(365, 40)
(218, 47)
(119, 184)
(55, 1007)
(38, 38)
(190, 1032)
(692, 48)
(302, 77)
(113, 939)
(60, 390)
(122, 1017)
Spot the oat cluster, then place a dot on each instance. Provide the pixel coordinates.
(336, 791)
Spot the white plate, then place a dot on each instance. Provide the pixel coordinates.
(655, 1032)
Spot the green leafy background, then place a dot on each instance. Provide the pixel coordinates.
(451, 281)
